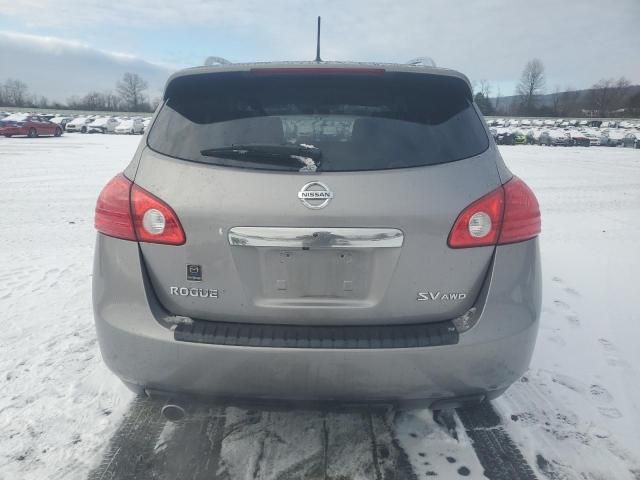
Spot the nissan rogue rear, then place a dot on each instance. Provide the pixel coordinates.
(318, 231)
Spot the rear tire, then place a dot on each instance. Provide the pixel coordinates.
(8, 136)
(32, 133)
(58, 132)
(83, 130)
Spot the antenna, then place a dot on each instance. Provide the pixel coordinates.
(318, 59)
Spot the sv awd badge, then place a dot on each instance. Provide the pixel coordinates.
(439, 296)
(194, 292)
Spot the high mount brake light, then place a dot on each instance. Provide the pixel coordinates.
(125, 210)
(508, 214)
(317, 71)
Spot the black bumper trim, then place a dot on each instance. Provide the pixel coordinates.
(318, 337)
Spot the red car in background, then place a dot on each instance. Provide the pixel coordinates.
(29, 125)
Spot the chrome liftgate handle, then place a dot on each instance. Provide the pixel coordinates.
(318, 237)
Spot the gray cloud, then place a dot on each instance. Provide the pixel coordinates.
(59, 69)
(579, 42)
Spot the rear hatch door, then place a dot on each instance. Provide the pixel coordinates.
(351, 228)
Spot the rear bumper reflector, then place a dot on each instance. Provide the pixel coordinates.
(321, 337)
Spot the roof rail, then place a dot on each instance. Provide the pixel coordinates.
(216, 61)
(422, 62)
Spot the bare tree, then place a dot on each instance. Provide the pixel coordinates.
(556, 102)
(14, 92)
(485, 88)
(481, 97)
(93, 101)
(498, 99)
(130, 89)
(532, 83)
(42, 102)
(608, 94)
(569, 101)
(111, 101)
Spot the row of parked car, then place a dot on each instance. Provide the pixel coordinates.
(35, 125)
(567, 136)
(565, 132)
(561, 122)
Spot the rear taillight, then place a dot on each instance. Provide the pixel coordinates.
(479, 224)
(125, 210)
(113, 212)
(154, 220)
(521, 219)
(508, 214)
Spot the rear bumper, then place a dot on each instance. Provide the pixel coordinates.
(486, 360)
(13, 131)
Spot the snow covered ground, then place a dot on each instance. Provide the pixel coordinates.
(575, 415)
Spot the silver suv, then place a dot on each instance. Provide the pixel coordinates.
(318, 231)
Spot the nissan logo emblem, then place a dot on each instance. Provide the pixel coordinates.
(315, 195)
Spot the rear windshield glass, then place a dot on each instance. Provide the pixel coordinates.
(302, 122)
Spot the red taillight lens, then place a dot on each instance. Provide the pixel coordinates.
(485, 213)
(508, 214)
(521, 219)
(154, 220)
(125, 210)
(113, 213)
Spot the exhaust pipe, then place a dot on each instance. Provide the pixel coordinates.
(173, 413)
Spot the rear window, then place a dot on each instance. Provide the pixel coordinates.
(302, 122)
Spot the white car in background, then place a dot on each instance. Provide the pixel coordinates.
(130, 126)
(612, 137)
(145, 124)
(103, 125)
(594, 137)
(78, 124)
(61, 120)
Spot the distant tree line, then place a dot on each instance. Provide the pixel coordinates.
(129, 96)
(606, 98)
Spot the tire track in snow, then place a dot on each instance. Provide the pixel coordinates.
(224, 443)
(497, 452)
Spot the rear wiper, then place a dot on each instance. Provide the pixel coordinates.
(306, 155)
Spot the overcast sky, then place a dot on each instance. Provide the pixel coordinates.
(65, 47)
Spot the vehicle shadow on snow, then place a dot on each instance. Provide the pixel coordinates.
(229, 442)
(218, 441)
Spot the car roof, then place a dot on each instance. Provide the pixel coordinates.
(389, 67)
